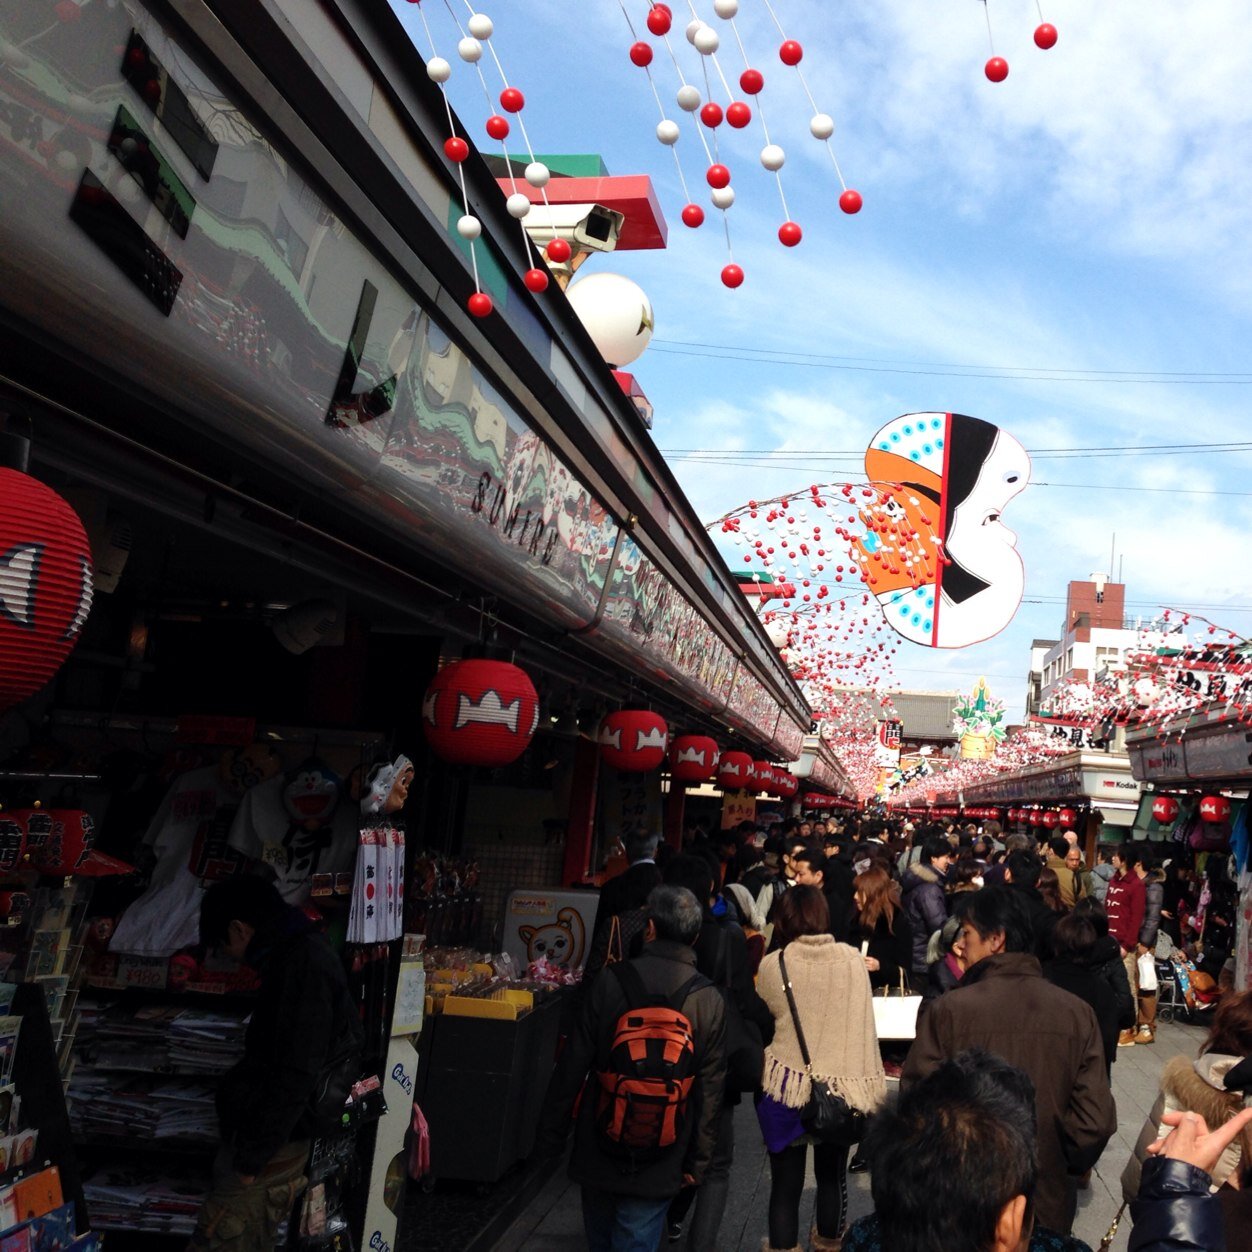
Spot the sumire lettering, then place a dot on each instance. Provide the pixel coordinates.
(491, 499)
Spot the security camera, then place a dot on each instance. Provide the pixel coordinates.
(587, 228)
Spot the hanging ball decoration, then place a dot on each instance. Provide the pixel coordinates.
(693, 216)
(1051, 819)
(711, 115)
(1045, 36)
(468, 226)
(538, 174)
(470, 50)
(480, 712)
(667, 131)
(762, 774)
(738, 114)
(707, 40)
(480, 304)
(733, 771)
(997, 69)
(438, 70)
(497, 126)
(850, 202)
(660, 19)
(790, 234)
(726, 9)
(455, 149)
(718, 176)
(1165, 809)
(617, 315)
(1068, 817)
(480, 26)
(558, 251)
(45, 584)
(773, 157)
(722, 197)
(732, 275)
(1214, 809)
(641, 53)
(693, 758)
(633, 740)
(688, 98)
(790, 53)
(693, 27)
(821, 126)
(536, 280)
(512, 100)
(518, 205)
(752, 82)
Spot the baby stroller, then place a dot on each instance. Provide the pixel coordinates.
(1177, 1000)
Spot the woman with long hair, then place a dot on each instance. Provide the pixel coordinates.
(1050, 890)
(879, 927)
(830, 987)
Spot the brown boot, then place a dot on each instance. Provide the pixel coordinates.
(818, 1243)
(1147, 1020)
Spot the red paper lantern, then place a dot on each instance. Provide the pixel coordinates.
(788, 785)
(73, 833)
(1164, 809)
(1051, 819)
(733, 771)
(633, 740)
(1034, 817)
(760, 774)
(45, 584)
(693, 758)
(1214, 809)
(1068, 817)
(480, 712)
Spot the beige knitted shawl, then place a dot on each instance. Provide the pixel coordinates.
(831, 987)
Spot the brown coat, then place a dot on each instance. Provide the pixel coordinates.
(1004, 1004)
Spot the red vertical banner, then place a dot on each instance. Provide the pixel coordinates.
(580, 826)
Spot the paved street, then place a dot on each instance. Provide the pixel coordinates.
(552, 1222)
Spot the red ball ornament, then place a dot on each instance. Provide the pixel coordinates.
(512, 100)
(711, 114)
(1214, 809)
(693, 216)
(790, 53)
(738, 114)
(497, 126)
(558, 251)
(1165, 809)
(633, 740)
(45, 584)
(1051, 819)
(480, 304)
(718, 176)
(850, 202)
(659, 19)
(733, 771)
(732, 276)
(1045, 36)
(641, 53)
(997, 69)
(693, 758)
(455, 149)
(480, 712)
(536, 280)
(790, 234)
(752, 82)
(1068, 817)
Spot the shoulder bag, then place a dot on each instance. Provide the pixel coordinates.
(828, 1117)
(895, 1015)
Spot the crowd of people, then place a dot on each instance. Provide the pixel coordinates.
(743, 968)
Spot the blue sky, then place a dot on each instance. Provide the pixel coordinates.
(1091, 213)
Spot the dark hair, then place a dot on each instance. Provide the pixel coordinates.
(881, 894)
(1073, 938)
(246, 898)
(773, 846)
(1091, 908)
(935, 845)
(800, 911)
(958, 1147)
(1059, 846)
(1025, 868)
(814, 858)
(1050, 889)
(692, 872)
(996, 909)
(964, 871)
(1147, 858)
(1231, 1032)
(1104, 854)
(1122, 853)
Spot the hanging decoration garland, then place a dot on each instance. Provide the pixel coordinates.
(997, 68)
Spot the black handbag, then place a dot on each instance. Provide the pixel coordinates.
(827, 1116)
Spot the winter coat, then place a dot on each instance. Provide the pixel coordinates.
(1042, 918)
(1091, 989)
(837, 888)
(891, 948)
(1197, 1086)
(1124, 902)
(1174, 1211)
(664, 968)
(1101, 874)
(1105, 962)
(926, 908)
(1068, 881)
(1153, 901)
(1005, 1005)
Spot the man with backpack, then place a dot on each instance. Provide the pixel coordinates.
(649, 1059)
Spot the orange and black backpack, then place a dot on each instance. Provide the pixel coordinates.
(644, 1091)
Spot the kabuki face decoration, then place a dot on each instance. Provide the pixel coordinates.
(936, 554)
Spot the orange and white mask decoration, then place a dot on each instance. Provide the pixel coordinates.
(935, 553)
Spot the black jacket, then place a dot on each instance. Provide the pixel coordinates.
(924, 903)
(1153, 902)
(664, 967)
(1079, 980)
(893, 949)
(1174, 1211)
(837, 888)
(1042, 918)
(1106, 963)
(304, 1017)
(628, 890)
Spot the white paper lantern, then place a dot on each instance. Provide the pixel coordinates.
(469, 227)
(723, 197)
(518, 205)
(688, 98)
(726, 9)
(822, 125)
(438, 70)
(538, 174)
(667, 131)
(469, 49)
(773, 157)
(617, 314)
(480, 26)
(707, 40)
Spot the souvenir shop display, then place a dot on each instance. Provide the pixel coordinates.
(377, 913)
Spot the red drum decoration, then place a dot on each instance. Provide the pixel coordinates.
(12, 841)
(480, 712)
(1214, 809)
(1165, 809)
(45, 584)
(633, 740)
(1068, 817)
(73, 833)
(693, 758)
(733, 773)
(1051, 819)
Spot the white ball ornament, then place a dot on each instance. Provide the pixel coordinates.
(616, 313)
(470, 50)
(773, 157)
(469, 227)
(822, 125)
(707, 40)
(480, 26)
(438, 70)
(692, 27)
(726, 9)
(688, 98)
(518, 205)
(538, 174)
(723, 197)
(667, 131)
